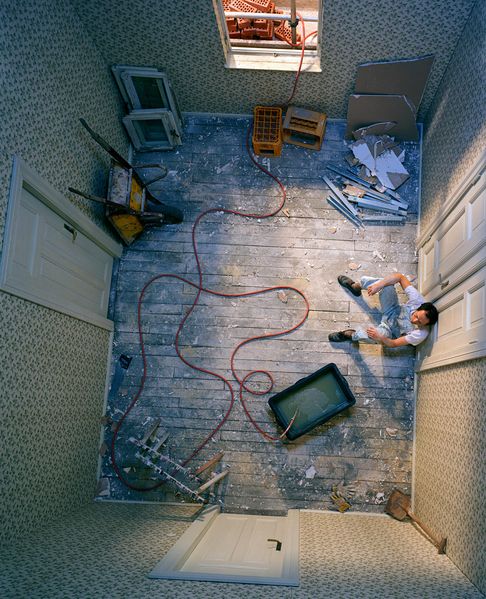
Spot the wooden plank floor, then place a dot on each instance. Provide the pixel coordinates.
(367, 447)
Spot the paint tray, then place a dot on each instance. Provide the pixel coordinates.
(316, 398)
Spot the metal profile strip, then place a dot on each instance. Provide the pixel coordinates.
(335, 192)
(342, 209)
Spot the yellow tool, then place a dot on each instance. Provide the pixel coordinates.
(339, 501)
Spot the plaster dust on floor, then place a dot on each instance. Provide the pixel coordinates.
(307, 246)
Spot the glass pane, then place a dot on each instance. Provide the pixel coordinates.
(151, 130)
(149, 92)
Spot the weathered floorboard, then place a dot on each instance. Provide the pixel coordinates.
(369, 446)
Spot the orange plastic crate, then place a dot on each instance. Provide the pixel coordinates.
(267, 130)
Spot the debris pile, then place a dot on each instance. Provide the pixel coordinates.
(259, 29)
(379, 160)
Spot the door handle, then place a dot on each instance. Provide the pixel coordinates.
(279, 544)
(71, 230)
(444, 284)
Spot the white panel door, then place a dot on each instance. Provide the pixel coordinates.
(52, 263)
(236, 548)
(455, 250)
(461, 331)
(237, 544)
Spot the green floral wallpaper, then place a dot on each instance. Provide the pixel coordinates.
(183, 39)
(450, 460)
(455, 127)
(450, 464)
(53, 366)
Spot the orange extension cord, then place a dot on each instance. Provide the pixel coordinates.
(200, 289)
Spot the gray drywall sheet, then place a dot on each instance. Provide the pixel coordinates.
(368, 109)
(405, 77)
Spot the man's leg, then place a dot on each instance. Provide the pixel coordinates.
(390, 309)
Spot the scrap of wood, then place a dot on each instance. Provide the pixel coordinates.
(351, 190)
(214, 460)
(160, 440)
(150, 433)
(212, 481)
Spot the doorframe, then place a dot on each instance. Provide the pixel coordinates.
(24, 177)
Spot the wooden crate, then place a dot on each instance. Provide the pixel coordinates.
(267, 131)
(304, 128)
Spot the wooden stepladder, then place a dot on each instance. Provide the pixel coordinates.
(181, 478)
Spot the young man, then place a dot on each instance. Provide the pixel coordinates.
(406, 324)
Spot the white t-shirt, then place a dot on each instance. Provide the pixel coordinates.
(417, 335)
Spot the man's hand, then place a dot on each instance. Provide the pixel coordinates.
(372, 289)
(374, 334)
(386, 341)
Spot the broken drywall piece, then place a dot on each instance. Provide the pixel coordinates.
(374, 129)
(103, 449)
(103, 489)
(365, 154)
(389, 170)
(406, 77)
(382, 158)
(367, 177)
(351, 159)
(310, 472)
(364, 110)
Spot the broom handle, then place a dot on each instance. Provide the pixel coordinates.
(440, 544)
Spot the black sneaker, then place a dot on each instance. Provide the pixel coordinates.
(341, 336)
(349, 284)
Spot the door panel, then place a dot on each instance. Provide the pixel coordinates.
(54, 264)
(456, 248)
(238, 543)
(461, 331)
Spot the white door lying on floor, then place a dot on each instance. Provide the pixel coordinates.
(236, 548)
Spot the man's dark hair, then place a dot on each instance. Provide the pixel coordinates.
(430, 311)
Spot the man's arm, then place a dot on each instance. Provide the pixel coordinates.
(386, 341)
(392, 279)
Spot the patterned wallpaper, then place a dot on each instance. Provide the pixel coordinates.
(183, 39)
(53, 377)
(450, 460)
(455, 127)
(53, 366)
